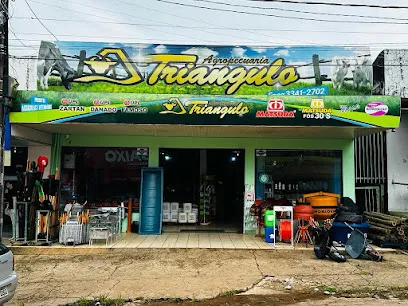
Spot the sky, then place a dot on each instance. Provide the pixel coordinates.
(169, 22)
(238, 23)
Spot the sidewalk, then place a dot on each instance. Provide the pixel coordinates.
(166, 241)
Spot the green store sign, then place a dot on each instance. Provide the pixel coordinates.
(261, 110)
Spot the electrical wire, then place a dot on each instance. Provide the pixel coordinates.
(94, 15)
(76, 45)
(208, 23)
(279, 16)
(201, 27)
(132, 16)
(335, 4)
(300, 11)
(32, 11)
(183, 47)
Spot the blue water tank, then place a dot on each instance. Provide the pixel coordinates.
(151, 201)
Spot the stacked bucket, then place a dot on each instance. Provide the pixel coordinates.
(269, 222)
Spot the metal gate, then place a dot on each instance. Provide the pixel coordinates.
(370, 158)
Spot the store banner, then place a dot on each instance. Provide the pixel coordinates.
(188, 69)
(267, 110)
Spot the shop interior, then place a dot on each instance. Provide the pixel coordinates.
(203, 190)
(289, 174)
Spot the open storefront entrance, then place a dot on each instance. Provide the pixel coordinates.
(212, 180)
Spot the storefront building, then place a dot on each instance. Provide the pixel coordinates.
(228, 125)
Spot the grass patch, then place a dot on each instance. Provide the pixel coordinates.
(327, 288)
(383, 293)
(230, 293)
(103, 300)
(365, 273)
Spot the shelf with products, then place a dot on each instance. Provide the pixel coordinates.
(293, 189)
(207, 200)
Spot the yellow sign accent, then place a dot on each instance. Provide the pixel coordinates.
(183, 69)
(102, 63)
(201, 107)
(317, 103)
(171, 104)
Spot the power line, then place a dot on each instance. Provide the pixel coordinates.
(205, 22)
(299, 11)
(336, 4)
(275, 48)
(279, 16)
(32, 11)
(201, 27)
(139, 17)
(94, 15)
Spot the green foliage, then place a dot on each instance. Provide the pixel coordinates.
(162, 88)
(328, 288)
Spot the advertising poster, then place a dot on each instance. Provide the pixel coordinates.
(189, 69)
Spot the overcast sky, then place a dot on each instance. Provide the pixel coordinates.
(166, 22)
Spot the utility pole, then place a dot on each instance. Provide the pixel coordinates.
(4, 76)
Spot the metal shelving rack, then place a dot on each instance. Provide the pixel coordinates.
(16, 225)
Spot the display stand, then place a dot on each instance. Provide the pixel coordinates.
(20, 207)
(207, 191)
(43, 219)
(283, 209)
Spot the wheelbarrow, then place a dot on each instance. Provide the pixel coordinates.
(358, 247)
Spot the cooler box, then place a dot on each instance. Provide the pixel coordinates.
(269, 234)
(339, 232)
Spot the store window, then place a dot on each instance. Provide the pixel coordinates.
(103, 176)
(288, 174)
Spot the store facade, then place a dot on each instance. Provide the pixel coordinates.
(252, 123)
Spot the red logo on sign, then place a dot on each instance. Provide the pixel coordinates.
(275, 109)
(276, 105)
(64, 101)
(96, 102)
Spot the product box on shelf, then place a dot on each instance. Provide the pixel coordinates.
(187, 207)
(192, 217)
(182, 218)
(166, 206)
(174, 217)
(166, 216)
(174, 207)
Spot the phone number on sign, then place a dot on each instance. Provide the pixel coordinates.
(317, 116)
(301, 92)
